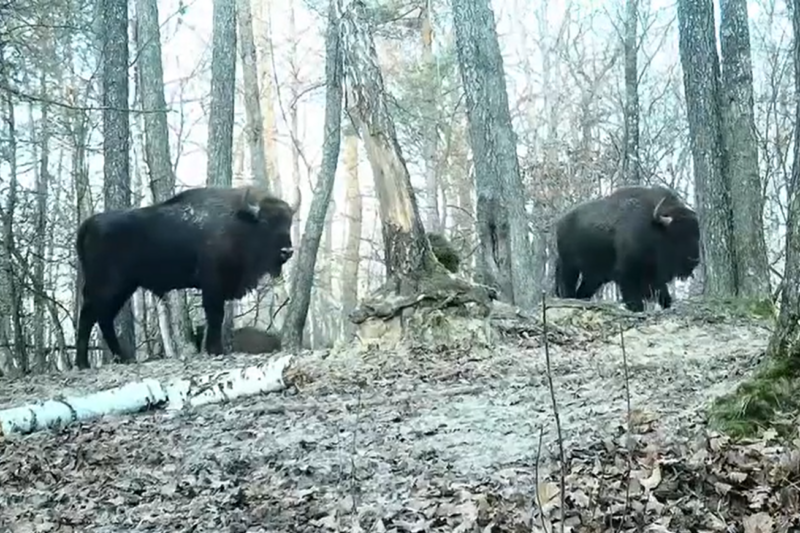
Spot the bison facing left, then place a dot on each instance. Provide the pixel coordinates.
(221, 241)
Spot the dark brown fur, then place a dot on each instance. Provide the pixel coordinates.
(219, 240)
(247, 339)
(639, 237)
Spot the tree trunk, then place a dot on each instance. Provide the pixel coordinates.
(261, 23)
(506, 261)
(172, 325)
(220, 121)
(701, 80)
(252, 104)
(785, 340)
(352, 253)
(116, 131)
(741, 150)
(42, 182)
(306, 258)
(407, 252)
(631, 173)
(12, 298)
(433, 221)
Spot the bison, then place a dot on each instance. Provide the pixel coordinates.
(639, 237)
(245, 340)
(219, 240)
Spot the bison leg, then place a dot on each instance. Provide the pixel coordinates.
(86, 321)
(588, 287)
(105, 319)
(632, 296)
(566, 279)
(662, 295)
(214, 308)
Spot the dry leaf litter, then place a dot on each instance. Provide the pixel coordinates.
(425, 439)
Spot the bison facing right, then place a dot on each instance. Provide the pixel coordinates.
(641, 238)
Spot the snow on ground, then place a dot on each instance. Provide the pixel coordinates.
(378, 433)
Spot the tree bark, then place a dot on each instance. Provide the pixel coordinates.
(352, 253)
(173, 325)
(252, 104)
(785, 340)
(306, 259)
(506, 261)
(741, 151)
(42, 193)
(701, 80)
(407, 252)
(631, 173)
(116, 132)
(433, 219)
(220, 121)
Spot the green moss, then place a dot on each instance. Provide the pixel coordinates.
(770, 399)
(445, 253)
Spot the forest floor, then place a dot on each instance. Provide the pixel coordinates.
(450, 438)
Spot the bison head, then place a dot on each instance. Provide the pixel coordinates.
(681, 230)
(273, 219)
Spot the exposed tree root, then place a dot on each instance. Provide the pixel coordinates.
(437, 291)
(437, 310)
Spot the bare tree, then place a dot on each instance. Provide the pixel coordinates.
(701, 79)
(306, 258)
(252, 103)
(741, 151)
(505, 260)
(631, 169)
(352, 253)
(220, 124)
(116, 134)
(783, 342)
(173, 313)
(433, 220)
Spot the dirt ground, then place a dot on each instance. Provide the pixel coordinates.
(433, 438)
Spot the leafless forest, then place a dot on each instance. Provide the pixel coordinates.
(482, 121)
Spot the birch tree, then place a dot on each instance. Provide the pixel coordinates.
(116, 132)
(505, 253)
(352, 253)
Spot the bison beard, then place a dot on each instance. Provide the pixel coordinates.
(638, 237)
(245, 340)
(221, 241)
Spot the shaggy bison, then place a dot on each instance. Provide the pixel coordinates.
(219, 240)
(638, 237)
(245, 340)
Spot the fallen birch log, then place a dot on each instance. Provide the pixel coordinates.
(148, 394)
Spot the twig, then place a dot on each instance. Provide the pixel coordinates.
(536, 480)
(555, 408)
(278, 310)
(629, 425)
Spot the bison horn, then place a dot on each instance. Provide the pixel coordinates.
(296, 203)
(661, 219)
(251, 203)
